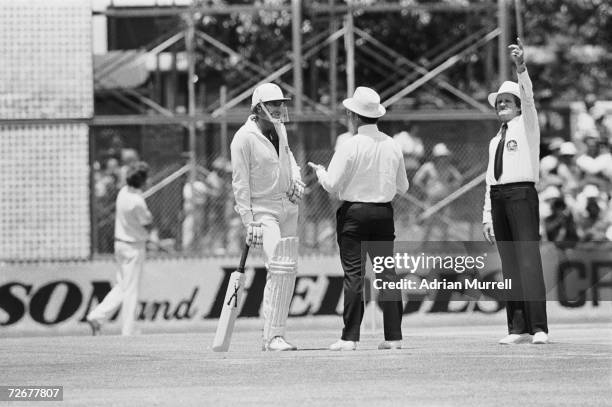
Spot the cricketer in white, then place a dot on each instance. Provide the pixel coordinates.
(132, 225)
(267, 187)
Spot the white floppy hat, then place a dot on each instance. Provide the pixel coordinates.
(267, 92)
(365, 102)
(440, 150)
(506, 87)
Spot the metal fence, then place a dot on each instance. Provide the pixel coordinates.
(199, 219)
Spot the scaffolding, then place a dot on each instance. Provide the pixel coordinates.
(403, 76)
(415, 75)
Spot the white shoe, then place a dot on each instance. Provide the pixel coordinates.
(540, 338)
(390, 345)
(278, 343)
(513, 339)
(341, 344)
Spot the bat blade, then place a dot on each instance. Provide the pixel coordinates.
(229, 312)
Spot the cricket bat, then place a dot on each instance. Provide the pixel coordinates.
(230, 309)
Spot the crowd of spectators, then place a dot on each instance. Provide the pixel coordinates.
(575, 192)
(576, 181)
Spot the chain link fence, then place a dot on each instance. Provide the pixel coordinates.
(199, 219)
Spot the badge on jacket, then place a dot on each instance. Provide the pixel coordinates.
(511, 145)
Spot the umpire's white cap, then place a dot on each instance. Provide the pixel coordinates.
(267, 92)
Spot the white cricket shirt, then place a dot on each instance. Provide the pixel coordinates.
(367, 168)
(132, 216)
(258, 171)
(521, 148)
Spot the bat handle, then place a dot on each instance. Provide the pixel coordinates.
(245, 253)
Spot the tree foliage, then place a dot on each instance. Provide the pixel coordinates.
(569, 53)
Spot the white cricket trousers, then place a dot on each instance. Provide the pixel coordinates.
(130, 257)
(279, 218)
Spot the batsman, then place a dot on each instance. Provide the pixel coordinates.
(268, 188)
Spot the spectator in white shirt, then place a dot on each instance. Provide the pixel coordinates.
(366, 174)
(585, 125)
(568, 173)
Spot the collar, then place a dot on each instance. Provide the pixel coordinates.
(515, 119)
(368, 130)
(138, 191)
(252, 125)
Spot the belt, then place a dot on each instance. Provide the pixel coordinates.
(510, 185)
(348, 203)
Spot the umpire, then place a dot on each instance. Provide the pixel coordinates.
(365, 173)
(510, 213)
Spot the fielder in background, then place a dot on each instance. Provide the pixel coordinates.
(132, 227)
(365, 173)
(510, 213)
(267, 188)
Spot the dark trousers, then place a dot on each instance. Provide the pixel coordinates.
(356, 223)
(516, 219)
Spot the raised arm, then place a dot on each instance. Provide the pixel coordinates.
(528, 110)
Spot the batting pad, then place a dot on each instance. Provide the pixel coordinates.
(280, 286)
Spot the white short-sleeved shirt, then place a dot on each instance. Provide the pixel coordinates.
(132, 216)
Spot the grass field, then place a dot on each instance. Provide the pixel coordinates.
(443, 363)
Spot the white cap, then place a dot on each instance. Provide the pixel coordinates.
(548, 163)
(590, 191)
(550, 192)
(567, 148)
(365, 102)
(555, 143)
(409, 144)
(440, 150)
(267, 92)
(506, 87)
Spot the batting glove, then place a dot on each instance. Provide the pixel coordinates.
(254, 237)
(296, 191)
